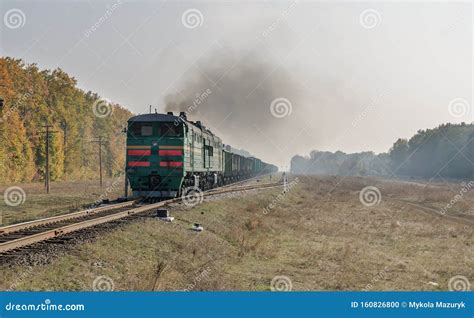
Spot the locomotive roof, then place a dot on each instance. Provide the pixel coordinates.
(156, 117)
(153, 117)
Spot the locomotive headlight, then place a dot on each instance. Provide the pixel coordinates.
(154, 143)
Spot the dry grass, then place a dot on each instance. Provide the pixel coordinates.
(64, 197)
(318, 234)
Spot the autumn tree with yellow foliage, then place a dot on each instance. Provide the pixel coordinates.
(33, 98)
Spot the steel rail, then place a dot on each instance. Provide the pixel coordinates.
(233, 188)
(64, 217)
(243, 181)
(52, 233)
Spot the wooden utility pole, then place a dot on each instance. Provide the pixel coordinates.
(46, 177)
(100, 159)
(125, 163)
(100, 142)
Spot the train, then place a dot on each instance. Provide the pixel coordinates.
(167, 154)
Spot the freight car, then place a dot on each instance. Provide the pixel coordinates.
(167, 154)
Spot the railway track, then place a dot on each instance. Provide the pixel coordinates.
(246, 181)
(21, 235)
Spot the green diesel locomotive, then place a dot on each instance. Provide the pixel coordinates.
(167, 154)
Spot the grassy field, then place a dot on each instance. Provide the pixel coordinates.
(318, 236)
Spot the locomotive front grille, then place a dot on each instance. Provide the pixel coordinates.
(155, 181)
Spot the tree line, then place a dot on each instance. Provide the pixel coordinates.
(446, 151)
(34, 98)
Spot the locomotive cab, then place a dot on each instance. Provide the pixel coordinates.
(155, 155)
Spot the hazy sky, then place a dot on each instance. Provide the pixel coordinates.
(356, 76)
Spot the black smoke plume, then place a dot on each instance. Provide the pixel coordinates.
(232, 94)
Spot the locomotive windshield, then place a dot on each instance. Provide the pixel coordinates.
(142, 129)
(156, 129)
(170, 130)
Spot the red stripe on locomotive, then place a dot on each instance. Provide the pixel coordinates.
(171, 164)
(170, 152)
(138, 164)
(139, 152)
